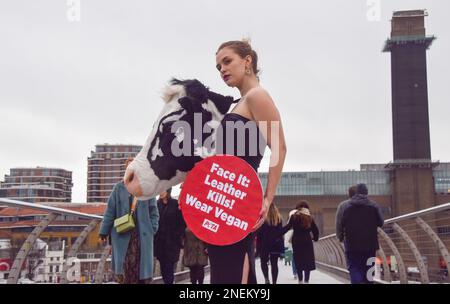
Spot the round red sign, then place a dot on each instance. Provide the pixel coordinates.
(221, 199)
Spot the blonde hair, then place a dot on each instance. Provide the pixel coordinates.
(273, 216)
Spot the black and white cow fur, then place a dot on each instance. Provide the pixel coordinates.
(156, 168)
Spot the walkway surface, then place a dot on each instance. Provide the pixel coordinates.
(285, 276)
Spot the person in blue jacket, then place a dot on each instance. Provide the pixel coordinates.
(132, 251)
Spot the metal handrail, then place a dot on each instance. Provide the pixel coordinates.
(404, 241)
(407, 216)
(20, 204)
(53, 211)
(418, 213)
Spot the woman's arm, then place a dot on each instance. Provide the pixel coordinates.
(287, 227)
(266, 114)
(315, 231)
(109, 216)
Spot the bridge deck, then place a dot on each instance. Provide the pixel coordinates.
(285, 276)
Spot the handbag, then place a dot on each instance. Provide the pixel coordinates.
(126, 222)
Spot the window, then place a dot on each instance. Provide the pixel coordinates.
(444, 230)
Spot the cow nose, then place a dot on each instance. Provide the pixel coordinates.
(129, 177)
(132, 183)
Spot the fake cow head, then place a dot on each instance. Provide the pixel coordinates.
(183, 135)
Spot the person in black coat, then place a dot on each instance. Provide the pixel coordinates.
(270, 243)
(303, 224)
(168, 239)
(357, 223)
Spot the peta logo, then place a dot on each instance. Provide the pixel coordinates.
(210, 225)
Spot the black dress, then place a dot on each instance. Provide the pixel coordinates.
(227, 261)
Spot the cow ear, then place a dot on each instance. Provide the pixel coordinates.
(191, 105)
(172, 91)
(196, 90)
(185, 104)
(222, 103)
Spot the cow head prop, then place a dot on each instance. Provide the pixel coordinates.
(183, 134)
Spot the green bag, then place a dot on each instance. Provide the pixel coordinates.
(126, 222)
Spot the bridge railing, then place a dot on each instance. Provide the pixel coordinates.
(26, 250)
(414, 248)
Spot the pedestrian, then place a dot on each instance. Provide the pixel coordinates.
(270, 243)
(168, 240)
(288, 242)
(357, 222)
(305, 231)
(194, 257)
(132, 251)
(288, 253)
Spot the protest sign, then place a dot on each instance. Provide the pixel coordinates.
(221, 199)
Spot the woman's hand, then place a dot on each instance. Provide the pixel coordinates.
(262, 214)
(103, 239)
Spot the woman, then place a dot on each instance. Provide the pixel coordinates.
(270, 243)
(237, 64)
(132, 251)
(303, 224)
(194, 257)
(168, 240)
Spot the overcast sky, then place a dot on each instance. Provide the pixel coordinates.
(68, 85)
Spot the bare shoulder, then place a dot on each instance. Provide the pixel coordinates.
(258, 96)
(256, 93)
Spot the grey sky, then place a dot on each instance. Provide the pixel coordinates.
(66, 86)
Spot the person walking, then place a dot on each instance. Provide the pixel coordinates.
(168, 240)
(270, 243)
(288, 253)
(357, 221)
(194, 257)
(302, 241)
(288, 242)
(132, 251)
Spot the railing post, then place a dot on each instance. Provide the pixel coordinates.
(75, 247)
(333, 250)
(322, 252)
(341, 252)
(318, 248)
(440, 245)
(329, 252)
(21, 256)
(398, 257)
(101, 264)
(387, 269)
(422, 268)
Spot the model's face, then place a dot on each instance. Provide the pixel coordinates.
(231, 66)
